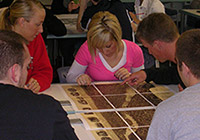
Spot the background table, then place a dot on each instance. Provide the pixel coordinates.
(70, 21)
(188, 12)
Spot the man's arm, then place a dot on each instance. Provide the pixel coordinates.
(163, 75)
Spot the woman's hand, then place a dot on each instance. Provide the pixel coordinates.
(33, 85)
(122, 74)
(84, 79)
(136, 78)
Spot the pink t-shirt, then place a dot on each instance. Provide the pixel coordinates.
(100, 71)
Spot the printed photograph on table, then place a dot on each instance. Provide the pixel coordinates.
(112, 111)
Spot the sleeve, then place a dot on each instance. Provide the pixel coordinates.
(75, 71)
(163, 75)
(42, 69)
(137, 55)
(158, 7)
(137, 69)
(54, 25)
(57, 7)
(86, 18)
(62, 127)
(83, 56)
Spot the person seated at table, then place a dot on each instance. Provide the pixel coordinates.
(26, 17)
(178, 117)
(158, 33)
(143, 8)
(105, 56)
(65, 6)
(51, 24)
(25, 115)
(115, 7)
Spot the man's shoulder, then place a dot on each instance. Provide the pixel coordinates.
(23, 96)
(176, 102)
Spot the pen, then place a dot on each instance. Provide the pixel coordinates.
(133, 21)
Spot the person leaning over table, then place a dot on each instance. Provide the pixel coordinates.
(158, 33)
(25, 115)
(177, 118)
(105, 56)
(115, 7)
(26, 18)
(65, 6)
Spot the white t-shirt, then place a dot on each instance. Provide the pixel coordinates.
(148, 7)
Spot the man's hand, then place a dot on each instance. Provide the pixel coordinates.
(136, 78)
(72, 6)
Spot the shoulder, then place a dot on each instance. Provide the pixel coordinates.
(24, 96)
(38, 41)
(172, 104)
(131, 46)
(84, 47)
(83, 51)
(41, 101)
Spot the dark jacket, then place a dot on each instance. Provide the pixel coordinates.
(164, 75)
(28, 116)
(58, 7)
(117, 8)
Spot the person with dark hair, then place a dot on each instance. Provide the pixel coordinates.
(65, 6)
(178, 116)
(26, 18)
(25, 115)
(115, 7)
(158, 33)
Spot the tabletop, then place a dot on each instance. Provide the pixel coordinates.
(191, 12)
(188, 12)
(70, 21)
(103, 108)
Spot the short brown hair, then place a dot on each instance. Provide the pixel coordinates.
(11, 51)
(188, 51)
(157, 26)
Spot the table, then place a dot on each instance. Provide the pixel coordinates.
(188, 12)
(70, 21)
(59, 93)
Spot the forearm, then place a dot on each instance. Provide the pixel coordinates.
(83, 6)
(168, 75)
(137, 69)
(75, 71)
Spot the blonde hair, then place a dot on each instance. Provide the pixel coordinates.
(18, 8)
(103, 27)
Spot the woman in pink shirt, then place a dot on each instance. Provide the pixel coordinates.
(105, 56)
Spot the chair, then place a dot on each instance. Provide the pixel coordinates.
(62, 73)
(172, 13)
